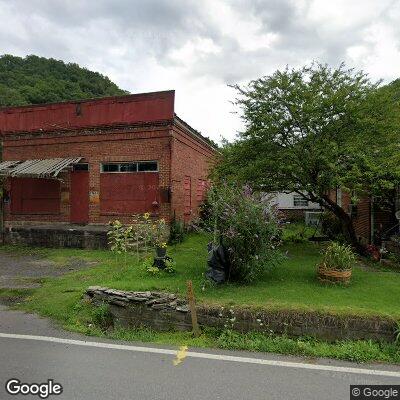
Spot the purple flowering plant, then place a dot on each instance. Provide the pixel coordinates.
(247, 225)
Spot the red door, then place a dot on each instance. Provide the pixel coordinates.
(79, 197)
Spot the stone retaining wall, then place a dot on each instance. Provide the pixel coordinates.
(53, 237)
(165, 311)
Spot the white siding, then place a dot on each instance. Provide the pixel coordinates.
(285, 201)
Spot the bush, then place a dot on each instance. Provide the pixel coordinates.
(247, 226)
(177, 231)
(338, 256)
(331, 226)
(297, 232)
(143, 232)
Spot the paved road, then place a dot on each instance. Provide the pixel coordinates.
(89, 368)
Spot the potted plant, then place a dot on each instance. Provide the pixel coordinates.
(160, 236)
(161, 250)
(336, 264)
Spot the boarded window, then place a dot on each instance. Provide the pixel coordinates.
(201, 190)
(35, 196)
(122, 194)
(187, 189)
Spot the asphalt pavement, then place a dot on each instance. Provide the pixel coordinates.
(33, 350)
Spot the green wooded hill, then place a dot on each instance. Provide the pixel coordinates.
(36, 80)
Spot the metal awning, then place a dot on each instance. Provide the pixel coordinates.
(47, 168)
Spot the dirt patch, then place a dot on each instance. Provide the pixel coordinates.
(28, 271)
(12, 299)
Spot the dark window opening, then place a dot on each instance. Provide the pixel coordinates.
(147, 166)
(132, 167)
(110, 168)
(299, 201)
(81, 167)
(142, 166)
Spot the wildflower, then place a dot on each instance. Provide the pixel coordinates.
(146, 215)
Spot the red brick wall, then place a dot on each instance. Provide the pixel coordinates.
(140, 127)
(190, 158)
(131, 145)
(361, 220)
(130, 109)
(178, 153)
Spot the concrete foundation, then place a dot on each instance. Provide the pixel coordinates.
(62, 235)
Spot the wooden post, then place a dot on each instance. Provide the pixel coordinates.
(192, 307)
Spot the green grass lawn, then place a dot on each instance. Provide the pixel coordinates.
(290, 286)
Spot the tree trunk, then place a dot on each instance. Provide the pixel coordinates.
(347, 225)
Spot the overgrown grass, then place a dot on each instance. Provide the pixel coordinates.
(93, 321)
(291, 286)
(14, 296)
(298, 232)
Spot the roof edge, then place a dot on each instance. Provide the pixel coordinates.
(90, 100)
(205, 140)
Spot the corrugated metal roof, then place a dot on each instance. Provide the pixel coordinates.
(47, 168)
(8, 164)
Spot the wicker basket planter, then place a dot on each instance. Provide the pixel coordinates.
(329, 275)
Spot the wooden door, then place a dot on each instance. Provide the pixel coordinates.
(79, 197)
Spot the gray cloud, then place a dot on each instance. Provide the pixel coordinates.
(200, 46)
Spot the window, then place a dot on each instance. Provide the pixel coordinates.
(110, 168)
(142, 166)
(132, 167)
(187, 193)
(147, 166)
(201, 190)
(299, 201)
(81, 167)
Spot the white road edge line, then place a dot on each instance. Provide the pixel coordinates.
(218, 357)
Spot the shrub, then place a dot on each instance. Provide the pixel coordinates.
(177, 231)
(143, 232)
(338, 256)
(296, 232)
(247, 226)
(152, 269)
(331, 226)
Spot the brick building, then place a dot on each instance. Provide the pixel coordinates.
(91, 161)
(372, 221)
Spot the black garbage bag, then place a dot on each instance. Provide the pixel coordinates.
(218, 263)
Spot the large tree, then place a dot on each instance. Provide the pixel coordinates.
(314, 129)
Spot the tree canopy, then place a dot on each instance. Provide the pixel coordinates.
(314, 129)
(36, 80)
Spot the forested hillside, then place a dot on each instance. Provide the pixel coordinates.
(34, 80)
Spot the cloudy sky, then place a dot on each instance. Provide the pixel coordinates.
(199, 47)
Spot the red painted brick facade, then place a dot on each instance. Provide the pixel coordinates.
(132, 131)
(367, 216)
